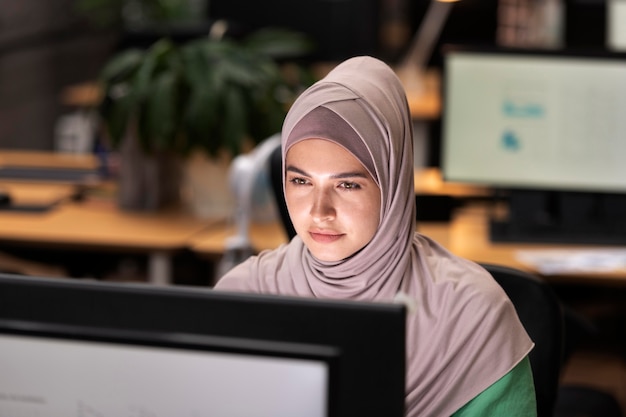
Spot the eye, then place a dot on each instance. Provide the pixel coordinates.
(297, 181)
(349, 186)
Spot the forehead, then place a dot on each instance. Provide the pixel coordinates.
(321, 153)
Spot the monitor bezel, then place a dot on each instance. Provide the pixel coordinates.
(342, 333)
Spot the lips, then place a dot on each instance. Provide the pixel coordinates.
(325, 237)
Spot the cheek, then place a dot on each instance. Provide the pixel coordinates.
(371, 206)
(370, 215)
(294, 203)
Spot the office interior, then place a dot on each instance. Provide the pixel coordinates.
(50, 48)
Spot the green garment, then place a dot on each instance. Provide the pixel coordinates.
(513, 395)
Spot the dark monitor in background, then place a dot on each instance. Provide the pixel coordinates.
(548, 129)
(90, 348)
(585, 24)
(339, 28)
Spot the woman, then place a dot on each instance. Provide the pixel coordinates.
(348, 159)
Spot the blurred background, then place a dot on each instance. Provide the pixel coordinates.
(52, 56)
(46, 46)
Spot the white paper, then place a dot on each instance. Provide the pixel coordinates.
(555, 261)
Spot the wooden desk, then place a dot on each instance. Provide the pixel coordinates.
(429, 181)
(43, 159)
(96, 225)
(467, 235)
(103, 227)
(23, 193)
(211, 242)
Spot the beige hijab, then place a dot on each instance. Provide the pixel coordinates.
(463, 334)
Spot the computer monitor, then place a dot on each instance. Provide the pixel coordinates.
(88, 348)
(338, 29)
(546, 125)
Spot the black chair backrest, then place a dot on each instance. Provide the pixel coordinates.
(541, 313)
(276, 176)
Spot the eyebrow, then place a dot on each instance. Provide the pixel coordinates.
(341, 175)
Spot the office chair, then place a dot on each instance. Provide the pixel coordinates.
(541, 313)
(551, 325)
(276, 179)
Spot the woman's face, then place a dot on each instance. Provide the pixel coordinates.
(333, 201)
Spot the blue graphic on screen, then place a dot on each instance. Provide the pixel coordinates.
(520, 108)
(529, 110)
(510, 141)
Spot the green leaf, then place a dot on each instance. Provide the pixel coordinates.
(194, 64)
(162, 113)
(234, 120)
(122, 66)
(279, 43)
(116, 115)
(153, 59)
(201, 117)
(266, 116)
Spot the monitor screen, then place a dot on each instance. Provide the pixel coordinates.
(65, 371)
(546, 120)
(92, 348)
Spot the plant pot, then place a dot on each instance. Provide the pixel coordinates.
(147, 181)
(206, 189)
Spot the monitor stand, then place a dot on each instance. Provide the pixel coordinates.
(562, 217)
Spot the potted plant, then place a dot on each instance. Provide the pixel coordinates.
(216, 97)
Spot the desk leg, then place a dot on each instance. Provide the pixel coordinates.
(159, 268)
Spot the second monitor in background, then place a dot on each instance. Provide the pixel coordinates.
(547, 128)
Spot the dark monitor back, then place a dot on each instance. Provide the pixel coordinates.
(585, 24)
(367, 338)
(339, 28)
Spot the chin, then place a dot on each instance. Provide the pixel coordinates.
(324, 255)
(330, 256)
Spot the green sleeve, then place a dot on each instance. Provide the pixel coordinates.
(513, 395)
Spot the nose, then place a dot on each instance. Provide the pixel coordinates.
(322, 207)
